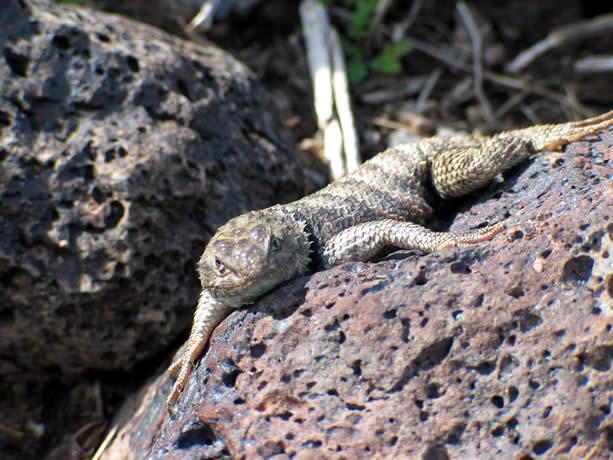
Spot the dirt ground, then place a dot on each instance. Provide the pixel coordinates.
(435, 87)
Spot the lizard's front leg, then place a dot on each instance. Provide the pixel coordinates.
(364, 241)
(209, 313)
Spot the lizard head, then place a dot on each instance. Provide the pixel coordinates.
(253, 253)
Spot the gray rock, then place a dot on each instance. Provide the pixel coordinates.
(122, 150)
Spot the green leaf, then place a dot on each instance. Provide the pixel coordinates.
(397, 49)
(360, 20)
(385, 64)
(357, 70)
(351, 49)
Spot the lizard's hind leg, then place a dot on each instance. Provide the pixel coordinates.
(457, 172)
(461, 170)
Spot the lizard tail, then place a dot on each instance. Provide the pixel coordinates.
(552, 137)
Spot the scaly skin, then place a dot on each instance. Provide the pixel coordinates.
(382, 204)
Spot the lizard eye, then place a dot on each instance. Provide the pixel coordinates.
(220, 268)
(275, 244)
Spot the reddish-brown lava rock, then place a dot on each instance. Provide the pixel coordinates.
(500, 350)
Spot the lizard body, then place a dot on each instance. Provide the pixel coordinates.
(382, 204)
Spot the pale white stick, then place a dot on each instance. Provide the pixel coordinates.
(315, 27)
(204, 18)
(343, 103)
(594, 64)
(572, 32)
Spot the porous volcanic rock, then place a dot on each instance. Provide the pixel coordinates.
(122, 149)
(500, 350)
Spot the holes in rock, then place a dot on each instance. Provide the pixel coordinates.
(354, 406)
(454, 434)
(270, 449)
(434, 354)
(307, 313)
(544, 254)
(286, 378)
(609, 284)
(513, 393)
(435, 452)
(609, 437)
(546, 412)
(432, 391)
(133, 64)
(486, 367)
(423, 416)
(460, 268)
(5, 120)
(60, 41)
(498, 431)
(297, 373)
(230, 373)
(542, 446)
(533, 384)
(390, 314)
(376, 288)
(200, 434)
(239, 402)
(421, 278)
(103, 37)
(183, 89)
(329, 305)
(527, 320)
(516, 235)
(312, 443)
(332, 326)
(578, 269)
(289, 436)
(17, 62)
(115, 215)
(332, 392)
(498, 401)
(257, 350)
(97, 194)
(356, 366)
(478, 301)
(392, 441)
(406, 325)
(516, 292)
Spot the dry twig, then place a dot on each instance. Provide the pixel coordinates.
(573, 32)
(475, 37)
